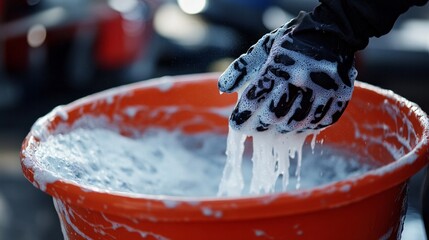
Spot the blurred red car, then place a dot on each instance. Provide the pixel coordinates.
(70, 40)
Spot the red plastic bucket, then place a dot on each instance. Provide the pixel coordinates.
(377, 123)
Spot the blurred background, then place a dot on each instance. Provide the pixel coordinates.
(55, 51)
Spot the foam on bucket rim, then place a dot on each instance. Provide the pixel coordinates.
(347, 190)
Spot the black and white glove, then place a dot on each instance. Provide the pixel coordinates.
(291, 81)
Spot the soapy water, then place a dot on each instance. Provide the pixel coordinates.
(271, 160)
(173, 163)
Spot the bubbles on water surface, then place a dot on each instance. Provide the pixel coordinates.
(172, 163)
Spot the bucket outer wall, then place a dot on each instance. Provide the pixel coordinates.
(370, 206)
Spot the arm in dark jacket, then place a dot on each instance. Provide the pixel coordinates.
(352, 22)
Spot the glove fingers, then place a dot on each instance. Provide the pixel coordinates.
(328, 113)
(291, 107)
(238, 73)
(249, 105)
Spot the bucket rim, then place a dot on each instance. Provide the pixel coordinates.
(331, 195)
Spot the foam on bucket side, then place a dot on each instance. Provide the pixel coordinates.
(377, 123)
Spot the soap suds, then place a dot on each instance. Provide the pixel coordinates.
(175, 164)
(272, 154)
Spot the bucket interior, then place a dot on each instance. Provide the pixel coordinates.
(376, 125)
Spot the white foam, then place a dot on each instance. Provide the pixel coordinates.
(171, 163)
(272, 154)
(39, 129)
(232, 182)
(103, 159)
(165, 83)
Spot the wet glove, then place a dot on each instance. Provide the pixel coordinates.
(291, 79)
(300, 76)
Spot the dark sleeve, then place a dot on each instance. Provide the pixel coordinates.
(346, 25)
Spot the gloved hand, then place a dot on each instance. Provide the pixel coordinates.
(291, 80)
